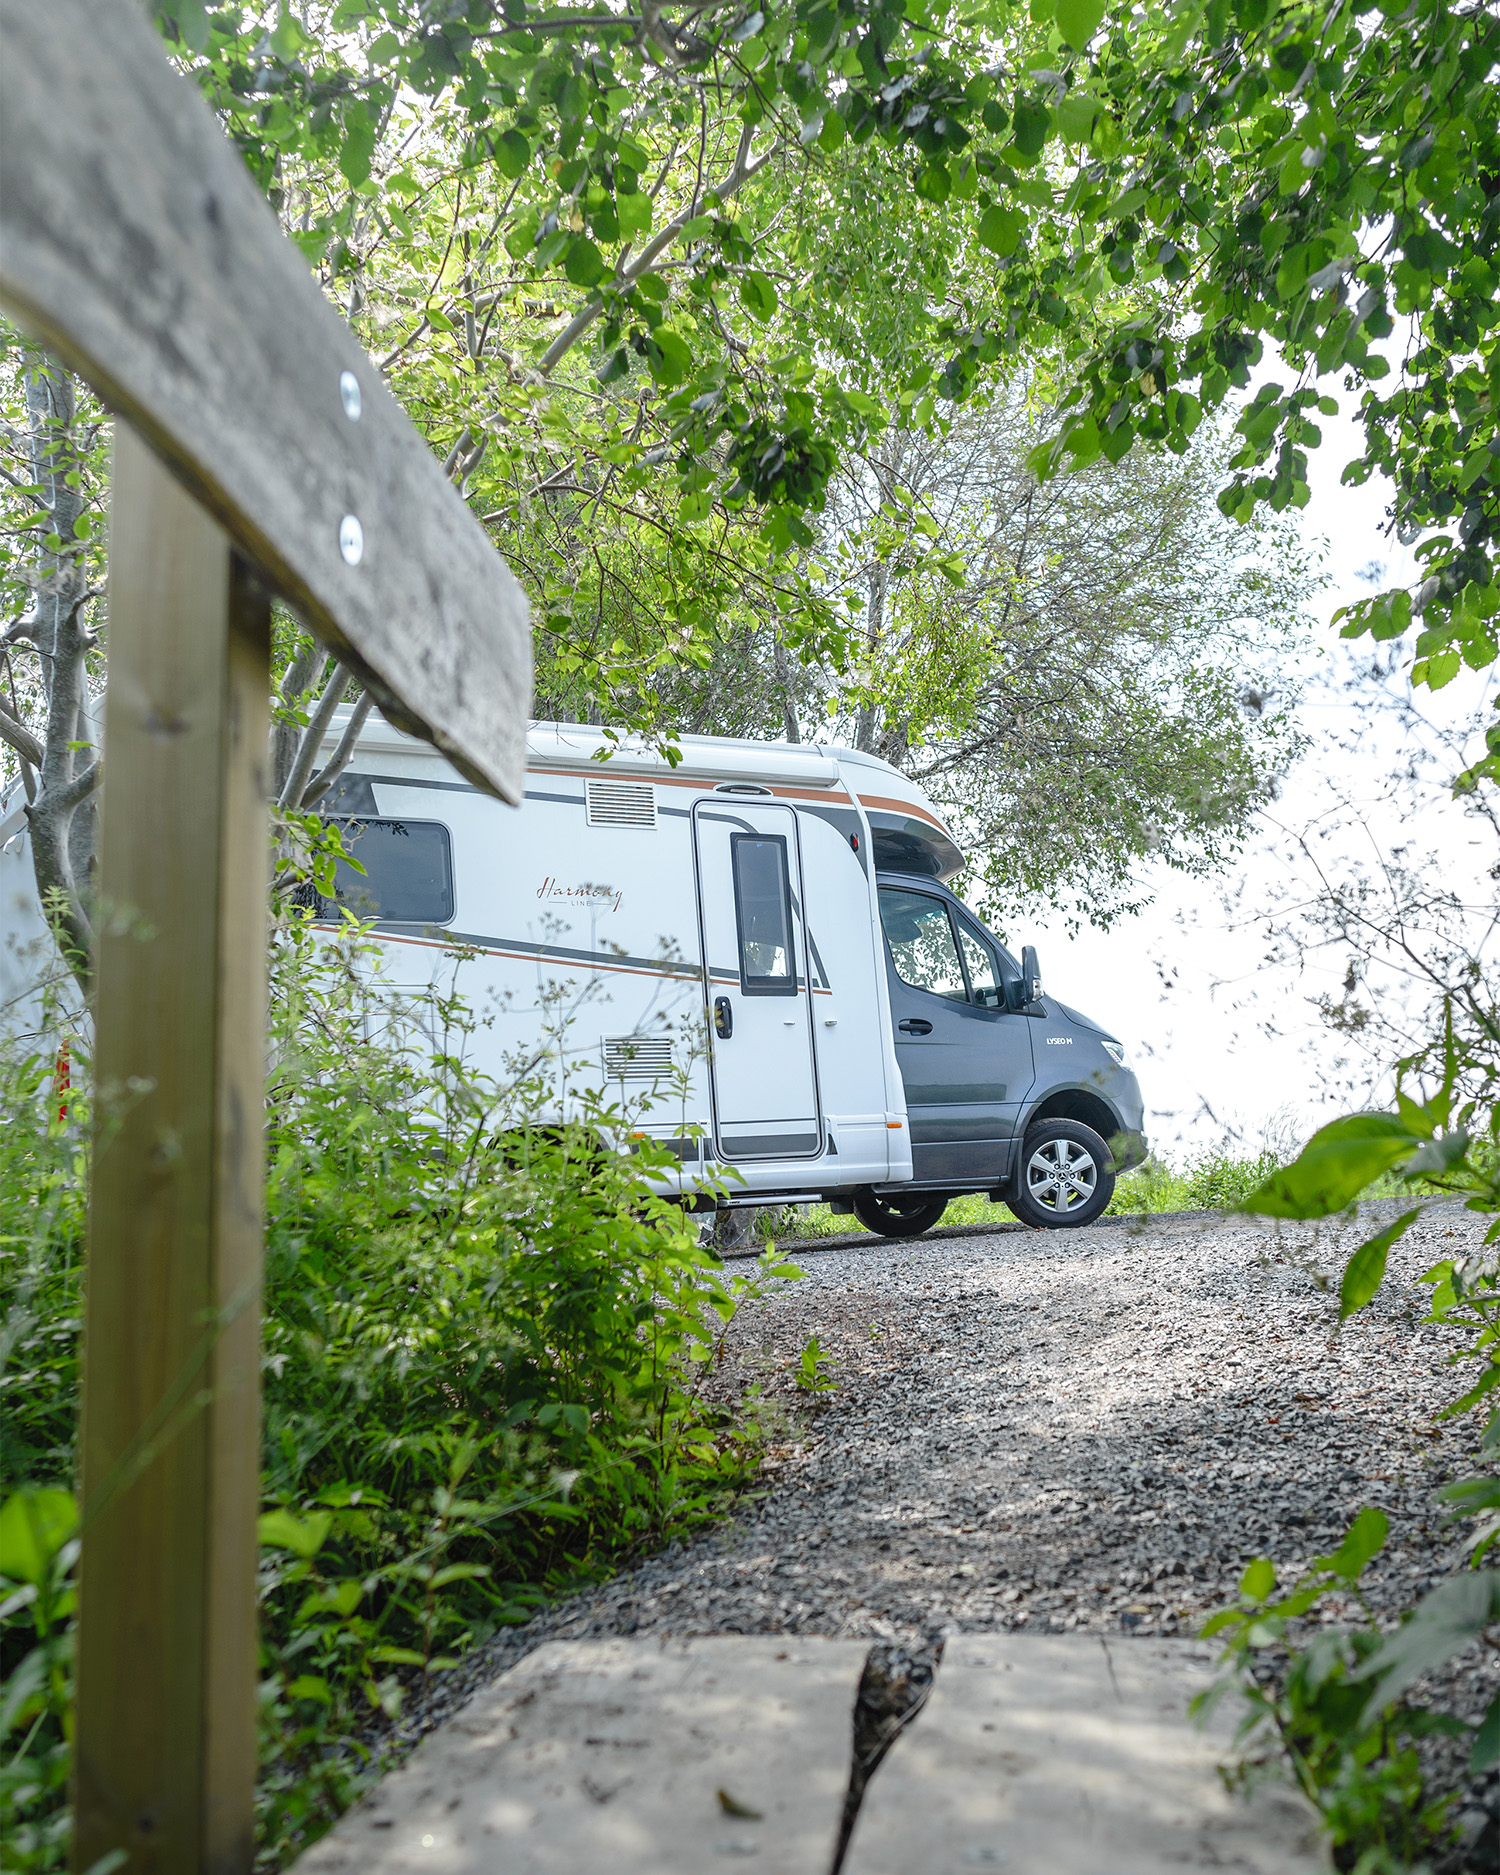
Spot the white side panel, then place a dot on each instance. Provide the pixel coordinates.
(584, 946)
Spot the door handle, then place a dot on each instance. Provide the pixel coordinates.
(723, 1018)
(915, 1025)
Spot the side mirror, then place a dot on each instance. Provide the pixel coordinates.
(1031, 977)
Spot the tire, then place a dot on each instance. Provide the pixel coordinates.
(1065, 1176)
(899, 1214)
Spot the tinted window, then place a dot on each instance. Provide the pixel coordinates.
(979, 961)
(408, 872)
(921, 941)
(763, 909)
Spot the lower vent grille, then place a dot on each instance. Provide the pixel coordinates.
(637, 1057)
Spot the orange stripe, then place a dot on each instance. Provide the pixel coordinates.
(690, 975)
(906, 807)
(831, 793)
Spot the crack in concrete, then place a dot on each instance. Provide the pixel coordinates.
(893, 1689)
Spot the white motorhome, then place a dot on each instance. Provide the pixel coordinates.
(760, 940)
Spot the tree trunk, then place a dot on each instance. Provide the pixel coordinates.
(59, 758)
(61, 811)
(867, 722)
(784, 684)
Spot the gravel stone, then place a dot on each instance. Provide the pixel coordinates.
(1091, 1429)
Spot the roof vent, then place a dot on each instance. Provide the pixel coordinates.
(637, 1057)
(620, 803)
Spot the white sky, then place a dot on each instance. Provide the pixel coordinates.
(1224, 1041)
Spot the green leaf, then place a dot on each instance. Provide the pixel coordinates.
(358, 149)
(1033, 121)
(34, 1525)
(1366, 1268)
(1366, 1538)
(757, 295)
(1074, 117)
(935, 184)
(1259, 1579)
(1334, 1167)
(1449, 1618)
(308, 1686)
(1000, 229)
(339, 1598)
(583, 264)
(1487, 1739)
(1079, 20)
(634, 212)
(303, 1536)
(512, 154)
(192, 23)
(669, 356)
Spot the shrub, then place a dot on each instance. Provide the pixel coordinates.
(484, 1336)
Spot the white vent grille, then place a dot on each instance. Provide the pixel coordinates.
(637, 1057)
(620, 803)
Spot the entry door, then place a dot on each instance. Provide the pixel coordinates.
(965, 1058)
(765, 1088)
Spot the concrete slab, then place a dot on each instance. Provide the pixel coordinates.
(607, 1757)
(1068, 1754)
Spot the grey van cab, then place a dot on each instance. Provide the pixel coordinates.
(1009, 1092)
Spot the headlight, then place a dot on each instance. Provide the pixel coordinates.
(1116, 1053)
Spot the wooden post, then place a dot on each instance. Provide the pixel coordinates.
(165, 1763)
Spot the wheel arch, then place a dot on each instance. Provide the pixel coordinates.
(1077, 1103)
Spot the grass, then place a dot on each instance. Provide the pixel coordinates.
(1215, 1181)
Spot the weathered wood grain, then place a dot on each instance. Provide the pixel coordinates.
(170, 1440)
(134, 243)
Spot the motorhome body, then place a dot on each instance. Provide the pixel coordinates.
(757, 941)
(757, 938)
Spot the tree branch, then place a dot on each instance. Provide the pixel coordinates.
(342, 755)
(14, 732)
(741, 172)
(290, 798)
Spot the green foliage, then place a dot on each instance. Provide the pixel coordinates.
(813, 1368)
(1334, 1714)
(1342, 1742)
(485, 1344)
(1340, 1161)
(1165, 192)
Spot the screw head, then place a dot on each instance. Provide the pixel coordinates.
(351, 539)
(349, 395)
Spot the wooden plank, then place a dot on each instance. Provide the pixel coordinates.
(609, 1755)
(1068, 1755)
(134, 242)
(165, 1759)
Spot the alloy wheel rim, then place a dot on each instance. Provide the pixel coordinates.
(1061, 1175)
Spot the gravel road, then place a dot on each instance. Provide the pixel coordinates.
(1078, 1429)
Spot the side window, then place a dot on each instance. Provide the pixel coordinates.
(979, 961)
(408, 872)
(763, 914)
(921, 941)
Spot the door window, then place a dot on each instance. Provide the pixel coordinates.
(763, 912)
(921, 941)
(979, 961)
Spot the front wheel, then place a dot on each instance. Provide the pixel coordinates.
(1066, 1176)
(898, 1214)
